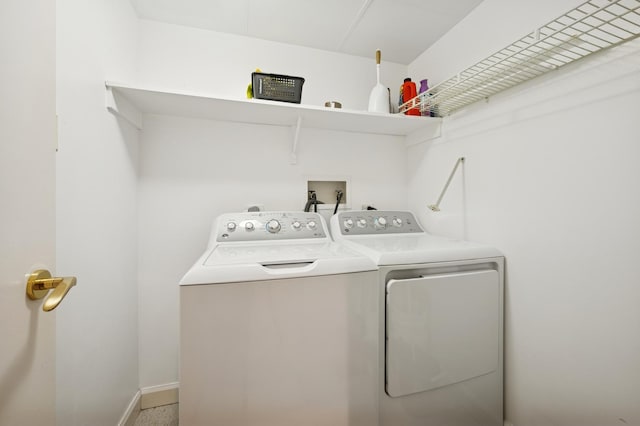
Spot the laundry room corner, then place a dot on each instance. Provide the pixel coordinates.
(470, 263)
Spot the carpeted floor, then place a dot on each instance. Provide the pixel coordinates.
(166, 415)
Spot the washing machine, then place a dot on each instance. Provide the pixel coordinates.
(440, 323)
(278, 326)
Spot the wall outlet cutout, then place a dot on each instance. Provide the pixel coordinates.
(326, 192)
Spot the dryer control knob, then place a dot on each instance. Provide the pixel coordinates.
(249, 226)
(296, 225)
(380, 223)
(273, 226)
(312, 224)
(362, 223)
(397, 222)
(348, 223)
(231, 226)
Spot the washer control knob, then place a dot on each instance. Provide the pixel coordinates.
(231, 226)
(397, 222)
(296, 225)
(348, 223)
(273, 226)
(362, 223)
(311, 224)
(249, 226)
(380, 223)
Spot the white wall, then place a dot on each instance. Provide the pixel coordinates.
(217, 64)
(550, 178)
(192, 170)
(97, 335)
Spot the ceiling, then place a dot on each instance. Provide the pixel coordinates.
(402, 29)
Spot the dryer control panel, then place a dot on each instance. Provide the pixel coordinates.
(375, 222)
(268, 226)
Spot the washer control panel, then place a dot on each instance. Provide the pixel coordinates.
(268, 226)
(368, 222)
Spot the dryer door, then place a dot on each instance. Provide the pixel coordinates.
(441, 329)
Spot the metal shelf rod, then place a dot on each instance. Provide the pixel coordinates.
(436, 207)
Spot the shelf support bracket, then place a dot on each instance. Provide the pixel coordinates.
(436, 207)
(293, 159)
(121, 107)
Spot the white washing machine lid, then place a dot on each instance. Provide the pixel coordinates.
(395, 238)
(417, 248)
(254, 246)
(256, 262)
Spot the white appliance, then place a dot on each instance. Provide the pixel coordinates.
(278, 326)
(441, 321)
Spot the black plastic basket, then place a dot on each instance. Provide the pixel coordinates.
(277, 87)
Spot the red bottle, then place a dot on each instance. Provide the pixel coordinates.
(409, 92)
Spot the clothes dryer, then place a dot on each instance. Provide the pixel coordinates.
(440, 323)
(278, 326)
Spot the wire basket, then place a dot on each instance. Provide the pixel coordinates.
(277, 87)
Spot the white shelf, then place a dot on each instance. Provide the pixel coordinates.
(589, 28)
(131, 103)
(255, 111)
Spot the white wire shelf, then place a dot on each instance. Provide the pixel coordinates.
(591, 27)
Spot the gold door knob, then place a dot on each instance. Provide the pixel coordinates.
(40, 282)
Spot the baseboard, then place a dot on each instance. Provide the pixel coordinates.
(155, 396)
(131, 413)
